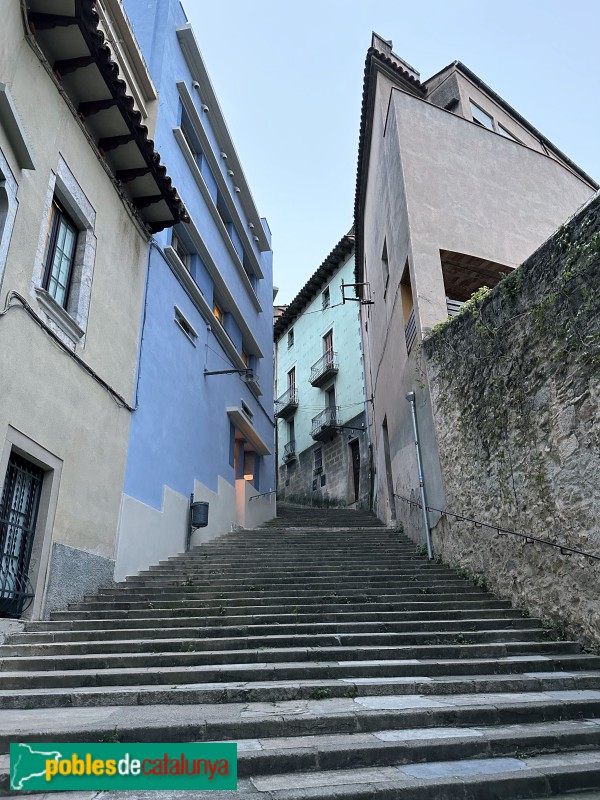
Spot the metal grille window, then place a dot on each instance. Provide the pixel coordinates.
(318, 460)
(18, 514)
(59, 254)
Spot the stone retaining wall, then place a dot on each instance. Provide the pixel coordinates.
(515, 387)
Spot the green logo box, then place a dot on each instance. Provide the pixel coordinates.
(125, 767)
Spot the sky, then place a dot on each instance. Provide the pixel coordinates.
(288, 76)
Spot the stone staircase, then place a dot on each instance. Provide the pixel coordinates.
(344, 665)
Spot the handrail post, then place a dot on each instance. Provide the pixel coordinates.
(411, 399)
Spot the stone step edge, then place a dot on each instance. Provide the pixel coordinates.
(296, 689)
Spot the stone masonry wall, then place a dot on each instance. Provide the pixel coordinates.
(515, 387)
(333, 486)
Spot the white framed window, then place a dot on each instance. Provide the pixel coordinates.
(182, 322)
(65, 257)
(290, 338)
(59, 254)
(507, 133)
(8, 209)
(326, 298)
(181, 250)
(481, 117)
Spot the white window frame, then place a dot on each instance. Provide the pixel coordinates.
(474, 105)
(8, 210)
(68, 322)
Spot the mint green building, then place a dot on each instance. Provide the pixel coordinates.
(323, 455)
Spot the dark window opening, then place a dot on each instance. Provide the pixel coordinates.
(59, 254)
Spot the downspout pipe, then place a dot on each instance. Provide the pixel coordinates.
(412, 400)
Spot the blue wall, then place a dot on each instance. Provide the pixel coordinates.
(181, 431)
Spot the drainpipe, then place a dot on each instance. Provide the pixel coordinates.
(411, 399)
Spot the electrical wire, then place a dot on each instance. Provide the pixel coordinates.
(56, 340)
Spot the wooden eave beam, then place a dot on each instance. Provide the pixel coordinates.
(66, 66)
(90, 107)
(40, 21)
(127, 175)
(112, 142)
(156, 226)
(149, 200)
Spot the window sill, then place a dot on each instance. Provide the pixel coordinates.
(59, 315)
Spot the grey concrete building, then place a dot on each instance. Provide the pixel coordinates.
(323, 456)
(454, 190)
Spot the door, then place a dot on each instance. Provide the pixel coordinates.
(355, 453)
(18, 514)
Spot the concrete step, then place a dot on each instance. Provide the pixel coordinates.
(501, 778)
(344, 662)
(278, 653)
(284, 690)
(398, 582)
(234, 721)
(266, 671)
(44, 631)
(413, 746)
(273, 637)
(222, 626)
(302, 754)
(387, 595)
(221, 607)
(176, 577)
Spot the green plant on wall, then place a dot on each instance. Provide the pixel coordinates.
(487, 364)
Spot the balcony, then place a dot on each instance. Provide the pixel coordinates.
(454, 307)
(286, 404)
(323, 369)
(324, 425)
(289, 452)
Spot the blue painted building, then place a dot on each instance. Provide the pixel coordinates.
(204, 418)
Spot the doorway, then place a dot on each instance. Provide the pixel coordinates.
(355, 461)
(19, 504)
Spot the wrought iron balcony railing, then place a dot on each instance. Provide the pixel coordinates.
(325, 422)
(287, 403)
(289, 451)
(324, 368)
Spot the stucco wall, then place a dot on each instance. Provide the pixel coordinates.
(516, 395)
(438, 182)
(296, 479)
(181, 435)
(45, 395)
(309, 329)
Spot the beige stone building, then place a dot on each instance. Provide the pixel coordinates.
(454, 189)
(81, 189)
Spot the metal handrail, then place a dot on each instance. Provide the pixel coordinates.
(263, 494)
(454, 307)
(290, 448)
(564, 549)
(328, 418)
(289, 397)
(327, 361)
